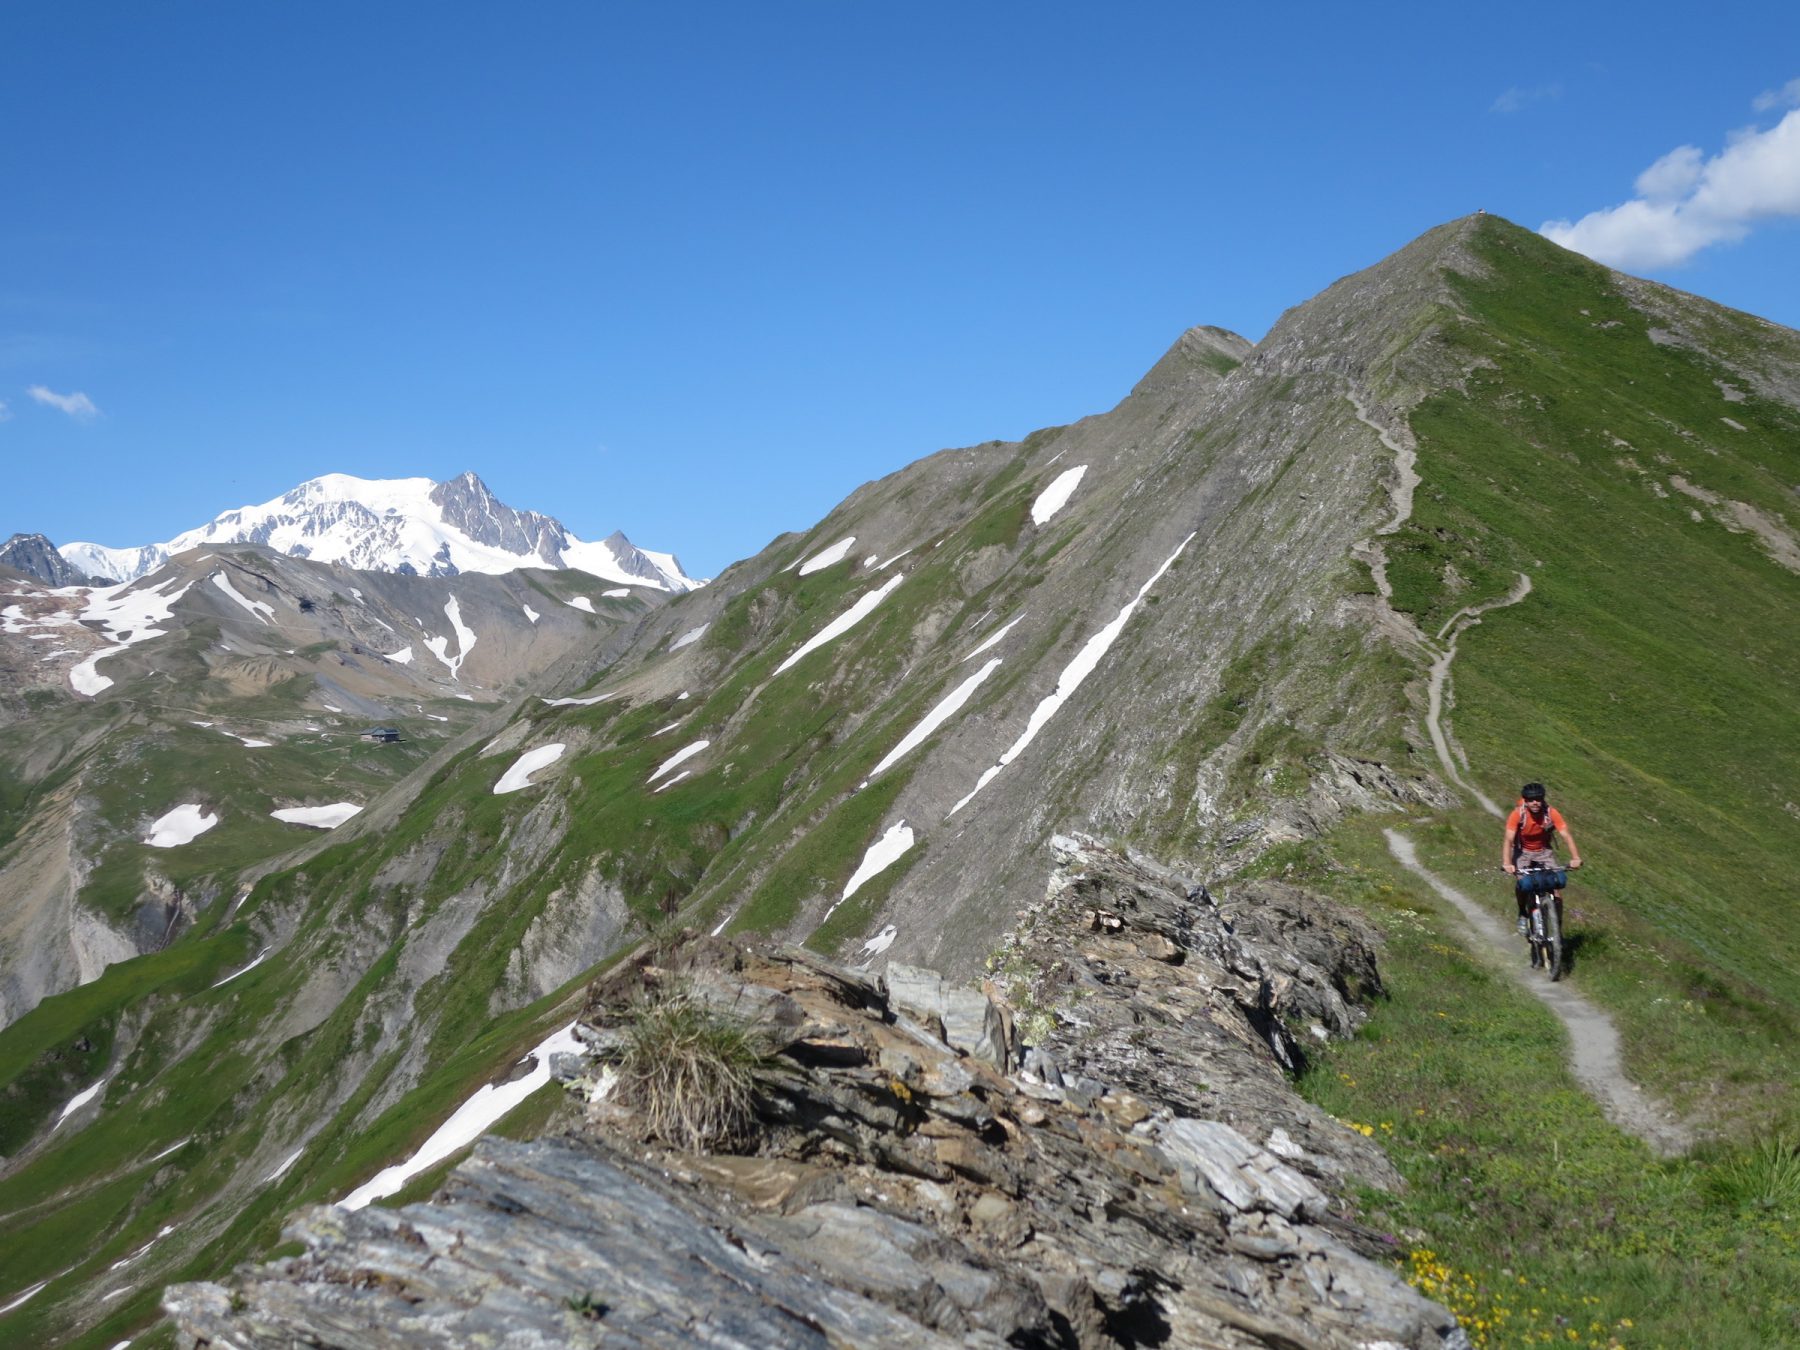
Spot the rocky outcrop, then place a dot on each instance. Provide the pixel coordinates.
(36, 556)
(1097, 1147)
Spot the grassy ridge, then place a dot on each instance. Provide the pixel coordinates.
(1651, 679)
(1526, 1212)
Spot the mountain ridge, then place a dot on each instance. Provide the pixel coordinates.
(406, 525)
(1199, 627)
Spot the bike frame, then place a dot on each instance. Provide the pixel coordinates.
(1544, 916)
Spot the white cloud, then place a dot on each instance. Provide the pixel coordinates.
(1687, 202)
(5, 412)
(1672, 176)
(1788, 96)
(76, 405)
(1520, 96)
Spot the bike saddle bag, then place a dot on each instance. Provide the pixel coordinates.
(1541, 883)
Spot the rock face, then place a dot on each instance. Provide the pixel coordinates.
(36, 556)
(1099, 1147)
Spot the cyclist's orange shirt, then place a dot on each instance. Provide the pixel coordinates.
(1532, 833)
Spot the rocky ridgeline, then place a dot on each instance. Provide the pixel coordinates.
(1098, 1147)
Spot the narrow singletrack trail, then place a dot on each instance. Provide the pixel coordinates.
(1593, 1040)
(1463, 619)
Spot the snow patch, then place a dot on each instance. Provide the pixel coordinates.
(6, 1308)
(947, 708)
(477, 1114)
(692, 635)
(844, 622)
(129, 617)
(79, 1100)
(882, 854)
(685, 773)
(403, 657)
(878, 944)
(465, 639)
(576, 702)
(180, 826)
(686, 752)
(1070, 680)
(991, 639)
(617, 593)
(286, 1163)
(825, 557)
(260, 957)
(519, 776)
(582, 603)
(261, 609)
(531, 613)
(319, 817)
(1053, 498)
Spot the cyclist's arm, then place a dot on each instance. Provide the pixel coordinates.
(1574, 848)
(1506, 849)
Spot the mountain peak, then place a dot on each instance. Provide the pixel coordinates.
(410, 525)
(36, 556)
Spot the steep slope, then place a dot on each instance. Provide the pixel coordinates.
(225, 687)
(1201, 623)
(36, 556)
(408, 525)
(1636, 453)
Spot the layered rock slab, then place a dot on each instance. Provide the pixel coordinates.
(1101, 1152)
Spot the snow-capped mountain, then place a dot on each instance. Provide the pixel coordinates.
(408, 525)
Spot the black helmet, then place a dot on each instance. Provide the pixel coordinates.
(1532, 792)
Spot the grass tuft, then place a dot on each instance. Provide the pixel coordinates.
(690, 1073)
(1764, 1176)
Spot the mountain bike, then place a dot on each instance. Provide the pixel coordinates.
(1543, 916)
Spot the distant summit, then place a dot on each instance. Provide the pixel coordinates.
(412, 526)
(36, 556)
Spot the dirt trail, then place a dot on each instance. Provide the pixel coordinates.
(1592, 1036)
(1464, 618)
(1406, 457)
(1593, 1040)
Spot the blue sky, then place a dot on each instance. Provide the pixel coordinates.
(696, 272)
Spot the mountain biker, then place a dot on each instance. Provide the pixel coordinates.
(1531, 834)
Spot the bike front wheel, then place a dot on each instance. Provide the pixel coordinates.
(1553, 941)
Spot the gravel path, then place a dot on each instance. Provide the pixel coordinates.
(1593, 1039)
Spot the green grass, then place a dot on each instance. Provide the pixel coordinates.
(1651, 678)
(60, 1047)
(1525, 1210)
